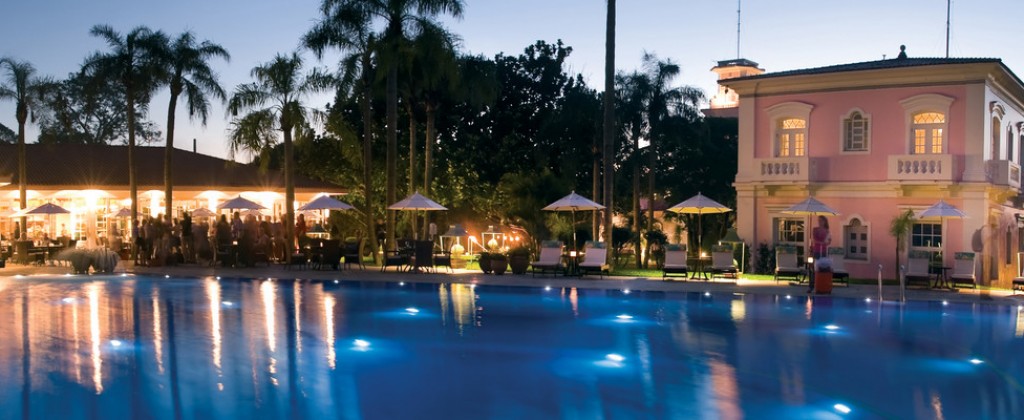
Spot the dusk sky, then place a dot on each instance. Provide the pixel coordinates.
(778, 34)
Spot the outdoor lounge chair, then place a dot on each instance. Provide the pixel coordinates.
(839, 273)
(963, 269)
(1018, 281)
(786, 264)
(675, 261)
(722, 263)
(353, 254)
(423, 256)
(443, 259)
(550, 258)
(917, 268)
(595, 259)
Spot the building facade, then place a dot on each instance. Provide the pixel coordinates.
(874, 139)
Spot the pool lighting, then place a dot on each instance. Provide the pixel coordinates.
(868, 300)
(707, 294)
(67, 274)
(945, 302)
(625, 291)
(625, 317)
(842, 408)
(976, 361)
(472, 286)
(18, 276)
(335, 282)
(68, 300)
(547, 288)
(831, 327)
(401, 283)
(412, 311)
(218, 277)
(361, 344)
(789, 296)
(615, 357)
(228, 303)
(167, 276)
(124, 274)
(115, 343)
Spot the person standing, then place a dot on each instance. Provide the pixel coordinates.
(821, 238)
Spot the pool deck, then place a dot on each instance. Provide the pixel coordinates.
(372, 273)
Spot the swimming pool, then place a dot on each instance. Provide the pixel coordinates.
(119, 347)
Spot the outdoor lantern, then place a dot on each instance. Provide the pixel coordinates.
(455, 233)
(491, 237)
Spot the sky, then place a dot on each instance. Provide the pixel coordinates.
(779, 34)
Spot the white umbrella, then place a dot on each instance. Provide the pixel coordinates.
(942, 209)
(325, 202)
(810, 208)
(203, 212)
(416, 202)
(239, 203)
(572, 203)
(699, 205)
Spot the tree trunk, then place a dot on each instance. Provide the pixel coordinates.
(289, 189)
(428, 158)
(169, 150)
(652, 155)
(364, 103)
(412, 158)
(636, 199)
(392, 153)
(596, 188)
(133, 188)
(609, 122)
(22, 115)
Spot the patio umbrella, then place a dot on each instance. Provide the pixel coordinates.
(942, 210)
(572, 203)
(124, 212)
(325, 202)
(203, 212)
(48, 209)
(699, 205)
(810, 208)
(417, 202)
(239, 203)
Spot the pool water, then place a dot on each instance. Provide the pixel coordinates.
(123, 347)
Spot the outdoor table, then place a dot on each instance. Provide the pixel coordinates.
(700, 267)
(572, 263)
(941, 277)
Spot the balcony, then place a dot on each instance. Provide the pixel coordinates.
(788, 169)
(1004, 172)
(935, 168)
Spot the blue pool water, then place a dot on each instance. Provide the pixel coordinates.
(89, 347)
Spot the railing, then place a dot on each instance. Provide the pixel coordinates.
(1004, 172)
(784, 169)
(924, 167)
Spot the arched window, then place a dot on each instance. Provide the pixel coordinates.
(1009, 142)
(855, 235)
(791, 137)
(996, 130)
(1020, 145)
(856, 129)
(928, 131)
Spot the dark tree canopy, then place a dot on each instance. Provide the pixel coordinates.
(84, 109)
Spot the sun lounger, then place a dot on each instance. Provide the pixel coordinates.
(722, 263)
(595, 259)
(917, 268)
(786, 264)
(675, 261)
(963, 269)
(550, 258)
(838, 257)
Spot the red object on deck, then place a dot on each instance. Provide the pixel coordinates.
(823, 282)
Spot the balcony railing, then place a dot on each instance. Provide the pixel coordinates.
(1004, 172)
(789, 169)
(921, 167)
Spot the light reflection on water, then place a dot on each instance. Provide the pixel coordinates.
(284, 349)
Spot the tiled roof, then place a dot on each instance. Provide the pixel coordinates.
(107, 166)
(872, 65)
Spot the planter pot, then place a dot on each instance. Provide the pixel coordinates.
(485, 263)
(499, 264)
(823, 282)
(519, 263)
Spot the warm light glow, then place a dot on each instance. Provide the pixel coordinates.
(738, 310)
(268, 292)
(842, 408)
(158, 336)
(329, 331)
(297, 298)
(94, 336)
(213, 295)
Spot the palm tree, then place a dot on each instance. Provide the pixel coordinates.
(274, 103)
(609, 120)
(23, 88)
(899, 227)
(189, 72)
(399, 18)
(340, 30)
(133, 62)
(634, 91)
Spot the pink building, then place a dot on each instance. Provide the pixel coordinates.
(873, 139)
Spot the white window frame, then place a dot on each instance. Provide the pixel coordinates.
(844, 140)
(786, 110)
(777, 234)
(928, 102)
(846, 243)
(995, 130)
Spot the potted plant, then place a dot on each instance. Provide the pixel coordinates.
(485, 262)
(519, 259)
(499, 263)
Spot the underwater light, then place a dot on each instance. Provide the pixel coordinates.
(831, 327)
(167, 276)
(67, 274)
(68, 300)
(707, 293)
(789, 296)
(625, 317)
(18, 276)
(945, 302)
(625, 291)
(976, 361)
(412, 311)
(335, 281)
(218, 277)
(361, 344)
(115, 343)
(547, 288)
(227, 303)
(867, 300)
(401, 283)
(842, 408)
(124, 274)
(615, 357)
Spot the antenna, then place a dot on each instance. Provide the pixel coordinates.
(739, 4)
(948, 3)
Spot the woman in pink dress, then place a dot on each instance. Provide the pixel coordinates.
(820, 240)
